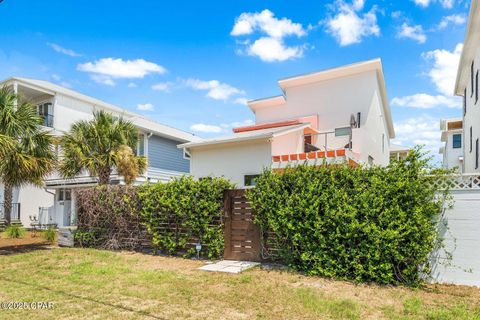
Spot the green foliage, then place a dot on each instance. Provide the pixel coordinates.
(109, 218)
(26, 151)
(184, 211)
(94, 146)
(50, 234)
(84, 238)
(363, 224)
(15, 231)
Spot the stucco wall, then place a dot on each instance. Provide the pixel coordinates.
(471, 119)
(450, 155)
(335, 101)
(233, 161)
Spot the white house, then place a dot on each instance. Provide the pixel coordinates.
(60, 108)
(340, 114)
(467, 86)
(452, 151)
(398, 152)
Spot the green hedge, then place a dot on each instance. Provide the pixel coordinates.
(182, 212)
(367, 225)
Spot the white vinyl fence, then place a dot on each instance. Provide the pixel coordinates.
(460, 228)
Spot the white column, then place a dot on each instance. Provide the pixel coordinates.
(15, 91)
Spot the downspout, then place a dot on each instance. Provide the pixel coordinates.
(148, 136)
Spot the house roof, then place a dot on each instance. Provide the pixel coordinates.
(471, 43)
(247, 136)
(398, 148)
(329, 74)
(139, 120)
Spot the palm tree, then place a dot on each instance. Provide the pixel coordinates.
(95, 146)
(29, 155)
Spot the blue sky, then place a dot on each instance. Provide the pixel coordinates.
(192, 64)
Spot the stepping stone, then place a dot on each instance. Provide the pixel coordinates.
(229, 266)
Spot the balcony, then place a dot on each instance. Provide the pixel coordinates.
(15, 216)
(325, 147)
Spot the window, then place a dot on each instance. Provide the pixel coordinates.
(359, 117)
(45, 111)
(141, 145)
(471, 139)
(186, 154)
(476, 87)
(60, 195)
(465, 102)
(370, 160)
(457, 141)
(471, 78)
(476, 154)
(346, 131)
(68, 195)
(249, 180)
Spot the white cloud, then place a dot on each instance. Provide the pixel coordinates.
(221, 128)
(349, 26)
(272, 46)
(105, 70)
(456, 19)
(267, 23)
(272, 49)
(412, 32)
(163, 86)
(423, 130)
(242, 101)
(145, 107)
(101, 79)
(63, 50)
(447, 4)
(215, 89)
(132, 85)
(201, 127)
(444, 71)
(426, 101)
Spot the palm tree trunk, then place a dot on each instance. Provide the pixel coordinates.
(104, 175)
(7, 202)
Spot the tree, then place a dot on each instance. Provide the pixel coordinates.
(29, 154)
(128, 165)
(96, 146)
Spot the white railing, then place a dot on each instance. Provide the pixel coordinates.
(458, 182)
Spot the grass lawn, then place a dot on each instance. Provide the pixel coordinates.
(95, 284)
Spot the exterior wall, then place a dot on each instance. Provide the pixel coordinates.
(451, 155)
(471, 119)
(233, 161)
(335, 101)
(462, 240)
(30, 198)
(163, 153)
(288, 144)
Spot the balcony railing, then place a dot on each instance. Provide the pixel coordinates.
(15, 215)
(327, 141)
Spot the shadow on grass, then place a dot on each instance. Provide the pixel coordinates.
(71, 295)
(23, 248)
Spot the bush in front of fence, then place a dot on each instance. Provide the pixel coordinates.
(362, 224)
(184, 212)
(109, 218)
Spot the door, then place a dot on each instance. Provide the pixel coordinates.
(242, 236)
(64, 207)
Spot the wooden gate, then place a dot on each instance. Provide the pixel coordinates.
(242, 237)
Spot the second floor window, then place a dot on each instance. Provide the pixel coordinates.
(457, 141)
(45, 111)
(141, 145)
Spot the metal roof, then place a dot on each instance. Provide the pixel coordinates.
(246, 136)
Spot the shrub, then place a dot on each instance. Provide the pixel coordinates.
(364, 224)
(50, 234)
(109, 218)
(180, 213)
(15, 231)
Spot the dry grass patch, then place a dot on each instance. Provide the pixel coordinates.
(87, 283)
